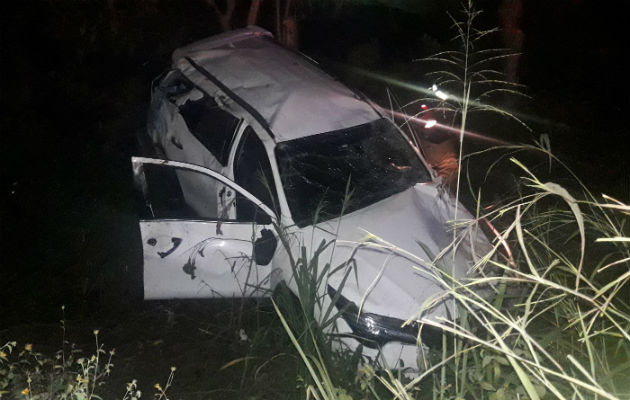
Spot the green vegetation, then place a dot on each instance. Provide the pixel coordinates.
(68, 374)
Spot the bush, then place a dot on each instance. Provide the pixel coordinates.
(67, 375)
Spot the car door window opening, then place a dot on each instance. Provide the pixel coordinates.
(211, 125)
(166, 199)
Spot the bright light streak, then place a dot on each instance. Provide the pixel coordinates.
(432, 91)
(449, 129)
(441, 95)
(438, 93)
(430, 123)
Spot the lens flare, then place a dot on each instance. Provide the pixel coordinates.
(431, 123)
(433, 92)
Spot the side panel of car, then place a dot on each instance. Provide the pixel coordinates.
(225, 251)
(188, 259)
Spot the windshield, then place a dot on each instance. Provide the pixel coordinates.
(346, 170)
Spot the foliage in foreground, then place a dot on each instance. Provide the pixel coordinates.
(556, 322)
(68, 375)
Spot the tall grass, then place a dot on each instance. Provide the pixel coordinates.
(550, 317)
(559, 320)
(308, 318)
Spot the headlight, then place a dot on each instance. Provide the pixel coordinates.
(374, 330)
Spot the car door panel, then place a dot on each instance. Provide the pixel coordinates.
(197, 259)
(189, 255)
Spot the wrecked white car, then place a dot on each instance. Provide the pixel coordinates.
(252, 137)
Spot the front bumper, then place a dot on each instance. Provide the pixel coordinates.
(374, 331)
(385, 341)
(409, 358)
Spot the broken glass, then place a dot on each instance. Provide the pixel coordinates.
(211, 125)
(346, 170)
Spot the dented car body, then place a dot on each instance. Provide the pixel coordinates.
(252, 138)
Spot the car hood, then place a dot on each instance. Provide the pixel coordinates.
(393, 244)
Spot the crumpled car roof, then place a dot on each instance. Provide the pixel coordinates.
(293, 96)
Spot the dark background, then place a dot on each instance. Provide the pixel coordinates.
(75, 88)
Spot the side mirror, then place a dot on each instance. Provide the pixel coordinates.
(265, 247)
(262, 218)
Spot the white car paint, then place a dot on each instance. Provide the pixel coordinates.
(286, 89)
(280, 96)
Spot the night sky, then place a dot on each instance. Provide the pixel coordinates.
(75, 87)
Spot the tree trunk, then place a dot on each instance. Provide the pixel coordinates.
(286, 25)
(225, 17)
(278, 32)
(510, 14)
(290, 37)
(252, 16)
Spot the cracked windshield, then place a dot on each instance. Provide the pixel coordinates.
(343, 171)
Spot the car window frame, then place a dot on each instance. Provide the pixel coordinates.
(137, 165)
(270, 175)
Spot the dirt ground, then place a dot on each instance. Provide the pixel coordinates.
(208, 342)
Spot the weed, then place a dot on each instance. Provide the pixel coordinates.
(31, 375)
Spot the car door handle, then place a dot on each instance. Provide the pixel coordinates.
(176, 242)
(176, 143)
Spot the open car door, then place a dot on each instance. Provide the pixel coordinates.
(222, 248)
